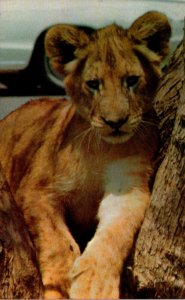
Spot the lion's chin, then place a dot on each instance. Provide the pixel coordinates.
(116, 139)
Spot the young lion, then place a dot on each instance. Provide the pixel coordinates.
(85, 163)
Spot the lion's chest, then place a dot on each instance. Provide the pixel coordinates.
(92, 180)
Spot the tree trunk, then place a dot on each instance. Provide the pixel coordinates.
(157, 267)
(19, 276)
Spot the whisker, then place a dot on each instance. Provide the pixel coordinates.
(92, 134)
(80, 134)
(87, 133)
(97, 138)
(89, 139)
(81, 137)
(149, 123)
(141, 129)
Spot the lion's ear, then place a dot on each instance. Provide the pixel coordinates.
(61, 41)
(151, 31)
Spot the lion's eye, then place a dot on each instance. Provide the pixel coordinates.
(93, 84)
(131, 81)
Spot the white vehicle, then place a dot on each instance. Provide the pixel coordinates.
(24, 69)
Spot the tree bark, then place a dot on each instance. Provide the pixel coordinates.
(19, 276)
(157, 267)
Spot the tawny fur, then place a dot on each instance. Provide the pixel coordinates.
(77, 165)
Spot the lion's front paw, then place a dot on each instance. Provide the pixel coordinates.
(94, 277)
(55, 294)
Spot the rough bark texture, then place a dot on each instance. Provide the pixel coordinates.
(157, 267)
(19, 276)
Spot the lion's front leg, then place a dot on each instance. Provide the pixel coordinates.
(58, 251)
(96, 274)
(55, 247)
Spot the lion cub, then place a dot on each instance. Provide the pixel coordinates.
(83, 166)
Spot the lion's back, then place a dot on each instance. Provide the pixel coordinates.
(26, 130)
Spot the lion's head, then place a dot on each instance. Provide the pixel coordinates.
(112, 73)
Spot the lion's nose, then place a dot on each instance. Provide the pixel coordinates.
(115, 124)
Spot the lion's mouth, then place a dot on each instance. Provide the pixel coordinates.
(117, 133)
(117, 136)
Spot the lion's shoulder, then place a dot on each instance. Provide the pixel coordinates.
(36, 108)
